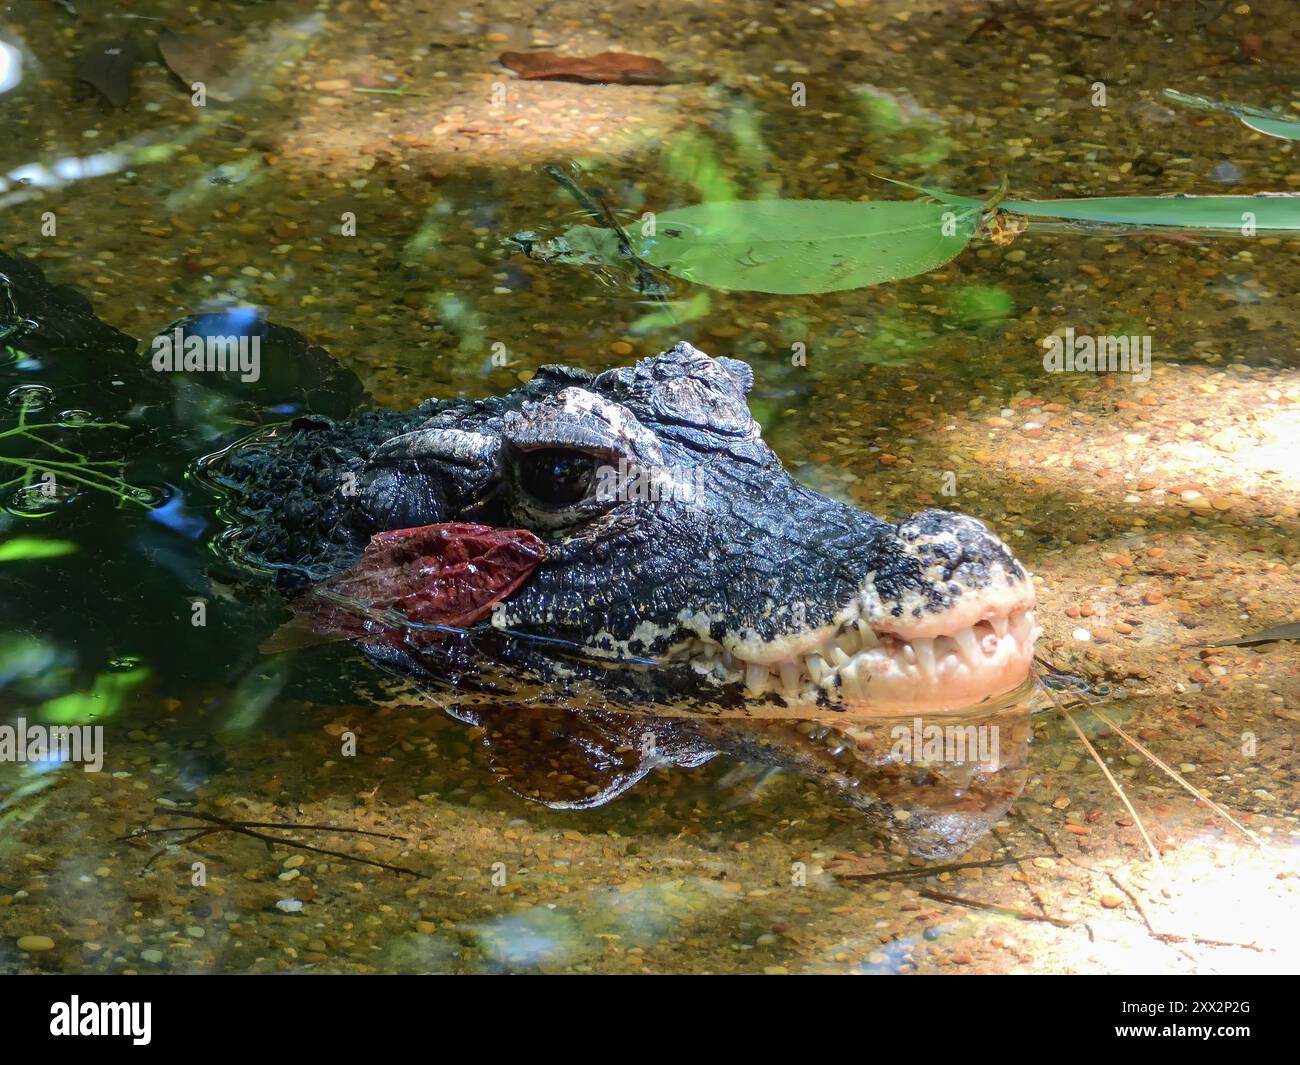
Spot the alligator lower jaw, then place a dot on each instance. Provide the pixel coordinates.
(865, 671)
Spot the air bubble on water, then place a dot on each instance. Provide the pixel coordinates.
(75, 417)
(151, 495)
(38, 500)
(29, 397)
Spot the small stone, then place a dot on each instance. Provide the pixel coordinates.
(152, 956)
(289, 905)
(1112, 902)
(35, 944)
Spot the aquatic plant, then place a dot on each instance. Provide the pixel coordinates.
(804, 247)
(1260, 120)
(38, 475)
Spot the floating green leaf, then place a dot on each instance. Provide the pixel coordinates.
(797, 247)
(1257, 118)
(22, 548)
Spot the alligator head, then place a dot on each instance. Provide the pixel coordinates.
(674, 540)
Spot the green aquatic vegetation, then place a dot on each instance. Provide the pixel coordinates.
(401, 90)
(55, 463)
(1225, 214)
(672, 314)
(973, 304)
(26, 548)
(1257, 118)
(888, 116)
(101, 700)
(690, 158)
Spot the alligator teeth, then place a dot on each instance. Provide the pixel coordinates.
(1022, 627)
(1000, 625)
(837, 657)
(817, 667)
(849, 642)
(756, 678)
(850, 682)
(790, 677)
(925, 655)
(968, 646)
(869, 637)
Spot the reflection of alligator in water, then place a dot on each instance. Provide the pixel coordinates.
(698, 601)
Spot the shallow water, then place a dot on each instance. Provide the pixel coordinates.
(1156, 514)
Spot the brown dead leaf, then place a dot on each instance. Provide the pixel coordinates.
(618, 68)
(106, 67)
(199, 58)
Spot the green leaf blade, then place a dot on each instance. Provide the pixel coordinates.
(1277, 211)
(801, 247)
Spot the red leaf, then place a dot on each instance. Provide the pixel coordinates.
(450, 574)
(622, 68)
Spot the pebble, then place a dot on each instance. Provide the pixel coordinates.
(35, 944)
(152, 956)
(289, 905)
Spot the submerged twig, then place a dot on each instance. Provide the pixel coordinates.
(994, 907)
(247, 828)
(1150, 755)
(1101, 764)
(600, 211)
(935, 870)
(1142, 749)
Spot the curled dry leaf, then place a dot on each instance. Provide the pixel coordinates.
(450, 574)
(106, 67)
(620, 68)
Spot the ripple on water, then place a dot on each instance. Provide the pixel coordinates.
(39, 500)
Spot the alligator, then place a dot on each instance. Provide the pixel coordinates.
(673, 540)
(680, 593)
(691, 596)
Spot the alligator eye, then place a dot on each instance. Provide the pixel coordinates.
(557, 476)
